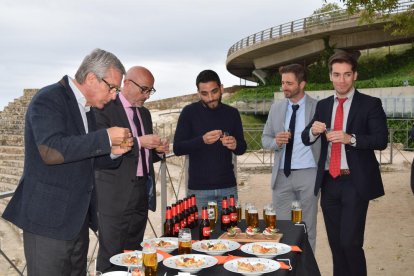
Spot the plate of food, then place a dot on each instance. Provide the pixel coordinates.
(191, 263)
(133, 258)
(215, 247)
(252, 266)
(165, 244)
(266, 249)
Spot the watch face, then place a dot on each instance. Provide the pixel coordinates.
(353, 140)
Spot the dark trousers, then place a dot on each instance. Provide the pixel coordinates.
(123, 232)
(51, 257)
(344, 213)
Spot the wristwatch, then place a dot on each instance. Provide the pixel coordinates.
(353, 139)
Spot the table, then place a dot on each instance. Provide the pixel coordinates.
(304, 263)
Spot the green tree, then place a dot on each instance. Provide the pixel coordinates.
(401, 23)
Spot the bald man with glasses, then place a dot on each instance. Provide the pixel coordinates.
(125, 194)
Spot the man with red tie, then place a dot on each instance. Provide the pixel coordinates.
(125, 194)
(351, 125)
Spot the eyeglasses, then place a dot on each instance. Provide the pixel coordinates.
(144, 89)
(112, 88)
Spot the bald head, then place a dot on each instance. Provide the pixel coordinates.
(137, 85)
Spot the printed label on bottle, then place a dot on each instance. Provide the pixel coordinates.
(176, 227)
(233, 216)
(196, 215)
(206, 231)
(225, 219)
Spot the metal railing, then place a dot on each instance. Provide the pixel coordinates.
(299, 25)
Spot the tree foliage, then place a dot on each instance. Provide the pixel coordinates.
(369, 10)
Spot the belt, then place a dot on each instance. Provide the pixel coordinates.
(342, 172)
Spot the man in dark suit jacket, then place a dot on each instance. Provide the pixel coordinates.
(123, 195)
(54, 202)
(348, 171)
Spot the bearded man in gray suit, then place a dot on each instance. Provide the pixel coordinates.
(294, 169)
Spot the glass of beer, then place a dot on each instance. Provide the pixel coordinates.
(184, 241)
(296, 212)
(270, 218)
(239, 210)
(248, 205)
(212, 211)
(253, 215)
(149, 260)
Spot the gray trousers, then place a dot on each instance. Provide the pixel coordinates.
(298, 186)
(51, 257)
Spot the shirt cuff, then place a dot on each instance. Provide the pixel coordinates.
(312, 138)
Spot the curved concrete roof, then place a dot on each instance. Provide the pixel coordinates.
(302, 41)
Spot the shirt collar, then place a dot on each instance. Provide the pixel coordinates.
(350, 94)
(300, 102)
(124, 101)
(80, 98)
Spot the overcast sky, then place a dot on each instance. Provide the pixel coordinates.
(42, 40)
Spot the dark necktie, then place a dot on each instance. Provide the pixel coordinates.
(289, 145)
(139, 131)
(335, 162)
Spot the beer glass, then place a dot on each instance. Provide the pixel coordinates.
(296, 212)
(270, 214)
(239, 210)
(246, 212)
(268, 206)
(212, 211)
(184, 241)
(149, 260)
(253, 215)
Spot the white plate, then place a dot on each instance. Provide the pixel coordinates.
(270, 265)
(231, 245)
(115, 273)
(167, 239)
(281, 249)
(208, 262)
(117, 259)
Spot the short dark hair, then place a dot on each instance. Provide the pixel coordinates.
(206, 76)
(297, 69)
(343, 57)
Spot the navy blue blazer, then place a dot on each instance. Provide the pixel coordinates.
(367, 120)
(56, 190)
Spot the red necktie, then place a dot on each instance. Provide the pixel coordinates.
(335, 163)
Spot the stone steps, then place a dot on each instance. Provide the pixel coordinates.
(11, 140)
(8, 179)
(6, 170)
(12, 150)
(4, 156)
(12, 163)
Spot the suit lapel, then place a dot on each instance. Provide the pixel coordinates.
(329, 111)
(353, 110)
(308, 109)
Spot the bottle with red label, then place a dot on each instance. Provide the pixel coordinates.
(168, 224)
(225, 215)
(183, 222)
(195, 209)
(190, 218)
(233, 212)
(176, 219)
(204, 225)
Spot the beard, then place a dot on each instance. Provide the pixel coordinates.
(212, 104)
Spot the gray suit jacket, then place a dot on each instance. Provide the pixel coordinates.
(276, 123)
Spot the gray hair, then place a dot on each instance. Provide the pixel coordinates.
(98, 62)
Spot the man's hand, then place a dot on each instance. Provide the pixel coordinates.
(164, 147)
(282, 138)
(212, 136)
(119, 150)
(338, 136)
(117, 135)
(318, 128)
(229, 142)
(150, 141)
